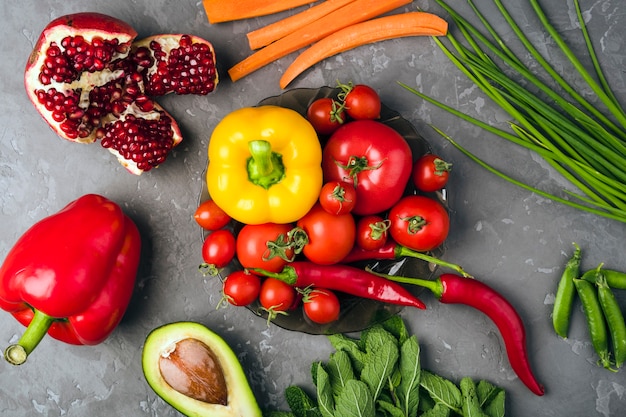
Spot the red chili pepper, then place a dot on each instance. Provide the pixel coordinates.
(454, 289)
(393, 250)
(71, 275)
(347, 279)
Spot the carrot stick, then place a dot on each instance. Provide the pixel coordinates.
(218, 11)
(382, 28)
(355, 12)
(268, 34)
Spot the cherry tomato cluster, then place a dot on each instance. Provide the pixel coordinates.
(354, 102)
(375, 192)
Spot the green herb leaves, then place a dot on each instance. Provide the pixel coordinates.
(380, 374)
(583, 139)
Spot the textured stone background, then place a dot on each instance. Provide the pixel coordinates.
(512, 239)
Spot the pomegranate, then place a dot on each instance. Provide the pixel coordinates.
(90, 82)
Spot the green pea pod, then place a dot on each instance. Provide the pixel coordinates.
(595, 319)
(614, 318)
(565, 293)
(614, 279)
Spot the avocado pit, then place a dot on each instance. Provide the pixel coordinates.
(190, 367)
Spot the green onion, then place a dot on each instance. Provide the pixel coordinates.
(582, 140)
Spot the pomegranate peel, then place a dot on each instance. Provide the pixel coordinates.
(90, 82)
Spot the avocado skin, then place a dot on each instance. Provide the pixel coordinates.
(241, 400)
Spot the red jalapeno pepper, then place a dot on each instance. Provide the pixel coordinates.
(344, 278)
(71, 275)
(454, 289)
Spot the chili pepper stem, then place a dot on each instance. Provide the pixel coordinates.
(17, 354)
(287, 275)
(434, 286)
(402, 251)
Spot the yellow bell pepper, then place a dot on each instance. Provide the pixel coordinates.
(264, 165)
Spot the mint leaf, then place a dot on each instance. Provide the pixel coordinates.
(382, 356)
(410, 371)
(471, 406)
(339, 370)
(486, 392)
(439, 410)
(300, 403)
(396, 326)
(496, 407)
(325, 399)
(390, 409)
(352, 346)
(441, 390)
(355, 400)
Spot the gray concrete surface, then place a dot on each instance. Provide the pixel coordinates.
(516, 241)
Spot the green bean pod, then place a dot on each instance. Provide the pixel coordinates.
(565, 293)
(614, 279)
(595, 319)
(614, 318)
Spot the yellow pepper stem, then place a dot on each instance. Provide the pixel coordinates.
(265, 168)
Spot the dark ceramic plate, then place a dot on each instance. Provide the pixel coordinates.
(356, 313)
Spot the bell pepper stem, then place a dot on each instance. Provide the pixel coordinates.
(403, 251)
(265, 167)
(17, 354)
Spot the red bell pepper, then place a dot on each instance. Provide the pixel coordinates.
(71, 275)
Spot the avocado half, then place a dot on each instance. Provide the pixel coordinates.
(196, 372)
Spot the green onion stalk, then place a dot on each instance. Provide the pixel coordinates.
(583, 140)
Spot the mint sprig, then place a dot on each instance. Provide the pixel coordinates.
(380, 374)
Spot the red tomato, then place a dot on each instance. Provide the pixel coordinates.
(362, 102)
(210, 216)
(326, 115)
(430, 173)
(338, 197)
(419, 223)
(264, 246)
(276, 295)
(241, 288)
(330, 237)
(219, 248)
(321, 306)
(376, 157)
(372, 232)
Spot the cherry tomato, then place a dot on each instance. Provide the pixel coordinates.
(338, 197)
(330, 237)
(419, 223)
(373, 156)
(241, 288)
(326, 115)
(362, 102)
(372, 232)
(219, 248)
(321, 306)
(210, 216)
(264, 246)
(430, 173)
(276, 295)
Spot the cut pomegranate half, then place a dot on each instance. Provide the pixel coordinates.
(90, 82)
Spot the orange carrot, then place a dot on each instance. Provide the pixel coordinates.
(228, 10)
(268, 34)
(382, 28)
(355, 12)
